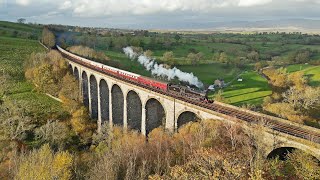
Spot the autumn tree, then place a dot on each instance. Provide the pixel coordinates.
(82, 125)
(304, 165)
(206, 149)
(46, 71)
(207, 164)
(44, 164)
(292, 98)
(148, 53)
(298, 165)
(120, 155)
(253, 56)
(258, 66)
(137, 49)
(70, 93)
(195, 58)
(278, 79)
(223, 58)
(297, 105)
(168, 56)
(238, 62)
(48, 37)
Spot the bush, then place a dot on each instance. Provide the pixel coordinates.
(44, 164)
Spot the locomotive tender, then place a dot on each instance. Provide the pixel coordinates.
(177, 89)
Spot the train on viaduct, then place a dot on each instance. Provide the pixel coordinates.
(116, 97)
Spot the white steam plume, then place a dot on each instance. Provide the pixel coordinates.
(160, 70)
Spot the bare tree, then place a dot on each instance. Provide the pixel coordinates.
(21, 20)
(13, 122)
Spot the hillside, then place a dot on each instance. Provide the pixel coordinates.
(26, 31)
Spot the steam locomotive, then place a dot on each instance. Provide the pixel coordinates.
(180, 90)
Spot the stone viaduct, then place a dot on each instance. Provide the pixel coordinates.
(120, 103)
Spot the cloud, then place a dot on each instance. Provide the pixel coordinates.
(142, 7)
(155, 13)
(247, 3)
(102, 8)
(314, 1)
(23, 2)
(65, 5)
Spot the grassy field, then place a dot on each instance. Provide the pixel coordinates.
(312, 72)
(254, 87)
(127, 64)
(208, 49)
(26, 31)
(251, 90)
(20, 27)
(13, 52)
(208, 73)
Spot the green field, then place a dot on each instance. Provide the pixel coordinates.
(312, 72)
(208, 49)
(208, 73)
(127, 64)
(251, 90)
(13, 52)
(26, 31)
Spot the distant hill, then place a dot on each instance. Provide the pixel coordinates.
(287, 25)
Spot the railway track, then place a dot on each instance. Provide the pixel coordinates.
(252, 118)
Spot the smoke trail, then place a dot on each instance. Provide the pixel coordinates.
(160, 70)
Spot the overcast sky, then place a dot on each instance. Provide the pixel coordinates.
(158, 14)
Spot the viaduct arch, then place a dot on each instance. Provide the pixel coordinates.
(85, 90)
(104, 101)
(94, 97)
(280, 152)
(134, 110)
(155, 115)
(186, 117)
(117, 105)
(76, 73)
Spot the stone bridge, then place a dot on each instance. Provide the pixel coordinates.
(111, 100)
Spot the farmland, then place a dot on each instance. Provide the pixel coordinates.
(13, 52)
(253, 88)
(311, 72)
(279, 48)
